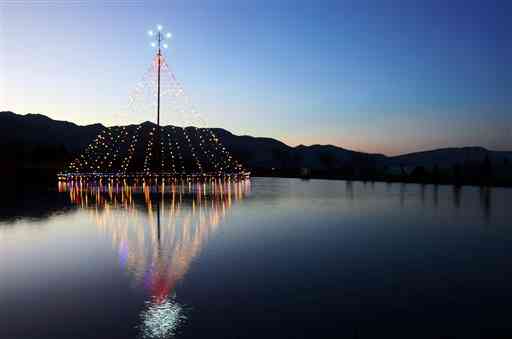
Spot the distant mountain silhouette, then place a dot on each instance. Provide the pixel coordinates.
(36, 141)
(448, 157)
(39, 129)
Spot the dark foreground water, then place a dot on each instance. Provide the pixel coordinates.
(270, 258)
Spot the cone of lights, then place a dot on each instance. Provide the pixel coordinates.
(149, 151)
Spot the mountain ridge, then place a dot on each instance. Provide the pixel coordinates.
(300, 146)
(32, 139)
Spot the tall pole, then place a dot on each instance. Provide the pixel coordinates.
(159, 151)
(158, 43)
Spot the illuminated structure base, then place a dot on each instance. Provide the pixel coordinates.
(153, 177)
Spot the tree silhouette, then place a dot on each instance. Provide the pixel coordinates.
(435, 174)
(486, 171)
(328, 160)
(419, 173)
(457, 174)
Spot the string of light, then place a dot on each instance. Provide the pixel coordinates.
(115, 151)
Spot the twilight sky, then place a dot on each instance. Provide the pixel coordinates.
(377, 76)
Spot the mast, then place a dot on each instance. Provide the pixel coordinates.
(158, 43)
(158, 138)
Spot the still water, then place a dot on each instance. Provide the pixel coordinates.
(266, 258)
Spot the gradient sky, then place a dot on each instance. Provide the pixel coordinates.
(376, 76)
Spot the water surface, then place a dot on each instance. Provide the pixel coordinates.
(274, 258)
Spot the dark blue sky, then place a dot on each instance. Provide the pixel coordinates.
(378, 76)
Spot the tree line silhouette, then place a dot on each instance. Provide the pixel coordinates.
(30, 163)
(367, 168)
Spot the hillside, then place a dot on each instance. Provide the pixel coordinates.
(34, 141)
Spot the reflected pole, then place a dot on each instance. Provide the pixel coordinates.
(158, 214)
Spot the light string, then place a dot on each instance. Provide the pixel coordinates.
(213, 138)
(114, 150)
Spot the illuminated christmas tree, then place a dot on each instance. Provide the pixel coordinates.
(152, 151)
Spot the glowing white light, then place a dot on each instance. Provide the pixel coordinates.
(159, 27)
(153, 44)
(165, 46)
(150, 33)
(168, 35)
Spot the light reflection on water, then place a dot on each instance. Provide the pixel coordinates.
(157, 237)
(162, 319)
(270, 258)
